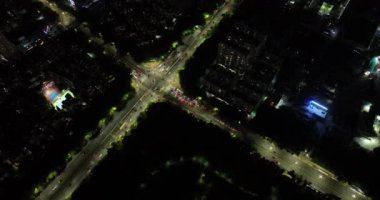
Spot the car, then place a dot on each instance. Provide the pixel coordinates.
(54, 188)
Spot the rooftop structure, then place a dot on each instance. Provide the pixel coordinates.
(54, 95)
(374, 64)
(376, 125)
(325, 9)
(7, 48)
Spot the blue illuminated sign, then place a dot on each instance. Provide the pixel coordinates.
(317, 109)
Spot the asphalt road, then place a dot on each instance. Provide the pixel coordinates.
(155, 86)
(319, 178)
(81, 165)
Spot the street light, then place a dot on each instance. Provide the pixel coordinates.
(354, 196)
(320, 176)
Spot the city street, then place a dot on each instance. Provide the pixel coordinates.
(81, 165)
(157, 86)
(319, 178)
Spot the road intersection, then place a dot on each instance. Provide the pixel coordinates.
(157, 85)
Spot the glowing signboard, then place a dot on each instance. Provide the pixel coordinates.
(317, 109)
